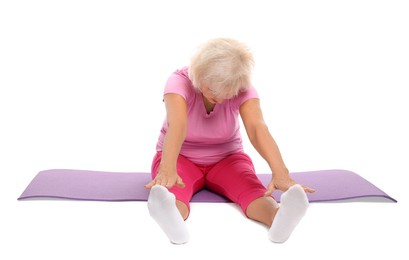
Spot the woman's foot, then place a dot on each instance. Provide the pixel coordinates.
(162, 208)
(293, 206)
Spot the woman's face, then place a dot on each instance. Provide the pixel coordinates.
(211, 96)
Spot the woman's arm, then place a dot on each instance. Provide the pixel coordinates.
(260, 137)
(176, 115)
(266, 146)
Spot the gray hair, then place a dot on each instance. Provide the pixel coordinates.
(223, 65)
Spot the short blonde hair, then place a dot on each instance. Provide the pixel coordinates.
(223, 65)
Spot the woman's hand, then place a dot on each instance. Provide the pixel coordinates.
(166, 179)
(283, 183)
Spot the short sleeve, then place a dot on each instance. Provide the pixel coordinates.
(250, 93)
(179, 83)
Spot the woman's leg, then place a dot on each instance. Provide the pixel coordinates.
(263, 210)
(183, 209)
(169, 208)
(235, 178)
(282, 219)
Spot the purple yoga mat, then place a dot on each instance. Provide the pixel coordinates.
(330, 185)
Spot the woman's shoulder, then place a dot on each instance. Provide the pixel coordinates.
(183, 72)
(180, 83)
(181, 75)
(243, 96)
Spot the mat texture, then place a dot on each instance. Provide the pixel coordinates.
(330, 185)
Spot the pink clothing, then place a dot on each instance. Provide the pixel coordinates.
(233, 177)
(210, 137)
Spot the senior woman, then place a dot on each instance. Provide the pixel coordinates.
(200, 146)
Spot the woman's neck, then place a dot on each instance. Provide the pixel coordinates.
(208, 105)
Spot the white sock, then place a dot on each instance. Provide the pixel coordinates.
(293, 206)
(162, 208)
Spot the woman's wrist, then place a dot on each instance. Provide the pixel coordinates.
(280, 172)
(167, 168)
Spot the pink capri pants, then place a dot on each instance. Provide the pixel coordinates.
(233, 177)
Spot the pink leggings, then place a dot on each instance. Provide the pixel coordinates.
(233, 177)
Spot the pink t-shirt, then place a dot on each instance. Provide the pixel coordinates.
(210, 137)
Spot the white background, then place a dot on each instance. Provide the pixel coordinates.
(80, 88)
